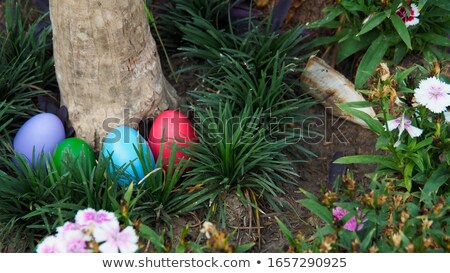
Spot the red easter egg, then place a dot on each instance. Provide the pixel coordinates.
(176, 128)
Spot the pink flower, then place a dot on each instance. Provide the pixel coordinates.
(66, 227)
(433, 94)
(51, 244)
(412, 19)
(91, 226)
(90, 216)
(115, 240)
(351, 224)
(403, 123)
(76, 241)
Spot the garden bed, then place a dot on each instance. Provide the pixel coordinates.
(291, 177)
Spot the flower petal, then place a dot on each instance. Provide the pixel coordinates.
(414, 131)
(411, 21)
(86, 216)
(393, 124)
(433, 94)
(127, 240)
(414, 10)
(128, 248)
(51, 244)
(108, 247)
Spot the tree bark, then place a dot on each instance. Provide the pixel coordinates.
(107, 65)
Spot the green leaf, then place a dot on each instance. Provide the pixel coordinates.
(371, 59)
(422, 4)
(128, 193)
(328, 18)
(407, 175)
(401, 29)
(418, 161)
(367, 240)
(149, 234)
(400, 52)
(357, 104)
(353, 44)
(424, 143)
(401, 76)
(326, 40)
(374, 21)
(434, 38)
(328, 229)
(286, 232)
(318, 209)
(436, 180)
(382, 142)
(368, 159)
(442, 4)
(244, 248)
(373, 124)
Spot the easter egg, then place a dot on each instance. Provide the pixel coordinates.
(122, 144)
(74, 151)
(176, 128)
(40, 134)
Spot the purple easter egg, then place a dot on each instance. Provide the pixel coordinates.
(42, 133)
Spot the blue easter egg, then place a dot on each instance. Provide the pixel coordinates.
(121, 144)
(40, 134)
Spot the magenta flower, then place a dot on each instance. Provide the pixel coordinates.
(352, 223)
(434, 94)
(115, 240)
(411, 19)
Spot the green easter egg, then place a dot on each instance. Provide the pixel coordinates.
(73, 151)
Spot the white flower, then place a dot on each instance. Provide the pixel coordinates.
(433, 94)
(90, 216)
(403, 123)
(51, 244)
(115, 240)
(412, 19)
(91, 227)
(76, 241)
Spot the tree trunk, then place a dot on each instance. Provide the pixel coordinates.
(107, 66)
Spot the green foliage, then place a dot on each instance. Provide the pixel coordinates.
(415, 163)
(26, 67)
(394, 221)
(255, 49)
(267, 91)
(216, 241)
(34, 201)
(175, 14)
(373, 30)
(236, 153)
(247, 113)
(257, 68)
